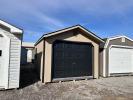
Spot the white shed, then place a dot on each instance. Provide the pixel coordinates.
(27, 54)
(10, 50)
(117, 57)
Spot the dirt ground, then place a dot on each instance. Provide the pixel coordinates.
(113, 88)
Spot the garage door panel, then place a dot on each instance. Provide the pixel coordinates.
(71, 59)
(120, 60)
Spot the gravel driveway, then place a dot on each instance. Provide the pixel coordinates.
(113, 88)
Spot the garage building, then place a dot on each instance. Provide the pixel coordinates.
(10, 50)
(68, 54)
(117, 56)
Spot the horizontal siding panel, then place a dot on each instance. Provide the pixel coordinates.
(15, 51)
(14, 65)
(14, 60)
(15, 54)
(14, 84)
(18, 47)
(13, 77)
(15, 42)
(14, 69)
(14, 57)
(15, 46)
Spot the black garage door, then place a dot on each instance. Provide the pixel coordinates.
(72, 59)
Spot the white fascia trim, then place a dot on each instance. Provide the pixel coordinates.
(12, 28)
(104, 63)
(72, 29)
(112, 38)
(54, 33)
(120, 46)
(68, 29)
(91, 34)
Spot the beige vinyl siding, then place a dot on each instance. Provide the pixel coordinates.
(101, 62)
(39, 58)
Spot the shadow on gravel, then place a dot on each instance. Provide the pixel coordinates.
(28, 75)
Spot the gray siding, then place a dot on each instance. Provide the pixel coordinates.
(118, 42)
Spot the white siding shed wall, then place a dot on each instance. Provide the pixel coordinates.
(14, 62)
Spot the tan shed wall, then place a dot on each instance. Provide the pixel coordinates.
(71, 37)
(39, 58)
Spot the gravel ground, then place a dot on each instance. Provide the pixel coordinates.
(113, 88)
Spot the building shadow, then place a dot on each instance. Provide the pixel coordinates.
(28, 75)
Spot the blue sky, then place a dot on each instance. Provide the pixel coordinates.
(36, 17)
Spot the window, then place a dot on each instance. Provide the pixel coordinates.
(123, 39)
(0, 53)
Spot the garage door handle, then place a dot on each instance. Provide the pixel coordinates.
(73, 63)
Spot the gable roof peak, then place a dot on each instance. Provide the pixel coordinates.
(68, 29)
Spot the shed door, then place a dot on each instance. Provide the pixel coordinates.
(121, 60)
(72, 59)
(4, 61)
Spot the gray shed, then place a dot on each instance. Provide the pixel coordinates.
(10, 50)
(117, 56)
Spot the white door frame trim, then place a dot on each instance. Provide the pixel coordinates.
(119, 46)
(104, 63)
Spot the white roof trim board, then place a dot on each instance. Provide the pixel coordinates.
(116, 37)
(68, 29)
(12, 28)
